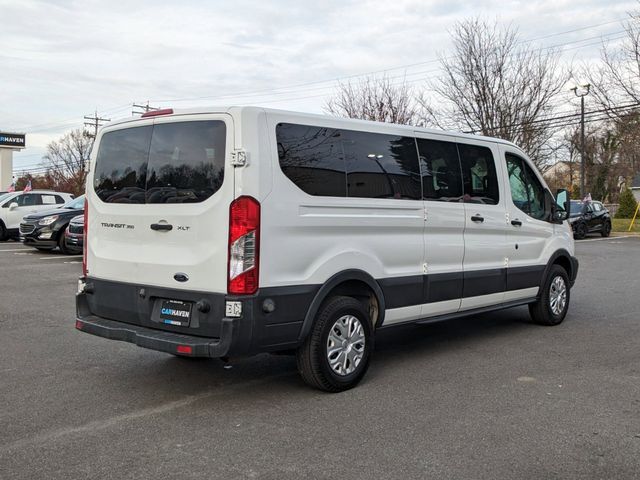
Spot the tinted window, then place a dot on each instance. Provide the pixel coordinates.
(331, 162)
(527, 192)
(441, 175)
(311, 157)
(381, 166)
(186, 161)
(478, 174)
(59, 199)
(121, 165)
(28, 200)
(181, 162)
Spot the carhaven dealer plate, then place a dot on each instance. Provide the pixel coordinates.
(175, 312)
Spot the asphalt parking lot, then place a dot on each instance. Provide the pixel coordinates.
(486, 397)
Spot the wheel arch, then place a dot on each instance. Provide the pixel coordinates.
(354, 283)
(563, 258)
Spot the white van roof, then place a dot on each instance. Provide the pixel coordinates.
(238, 110)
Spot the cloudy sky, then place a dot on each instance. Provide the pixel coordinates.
(61, 60)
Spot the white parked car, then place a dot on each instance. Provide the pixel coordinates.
(241, 230)
(15, 205)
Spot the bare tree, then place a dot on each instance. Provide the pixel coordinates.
(493, 85)
(377, 99)
(617, 81)
(66, 160)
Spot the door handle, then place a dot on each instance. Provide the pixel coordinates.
(516, 223)
(161, 227)
(477, 218)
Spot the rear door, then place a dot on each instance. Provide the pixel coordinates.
(158, 202)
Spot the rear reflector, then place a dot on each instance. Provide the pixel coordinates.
(155, 113)
(78, 324)
(186, 349)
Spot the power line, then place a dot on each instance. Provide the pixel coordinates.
(146, 108)
(95, 122)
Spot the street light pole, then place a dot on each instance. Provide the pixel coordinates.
(583, 93)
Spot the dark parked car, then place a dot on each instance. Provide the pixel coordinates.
(589, 217)
(45, 230)
(74, 235)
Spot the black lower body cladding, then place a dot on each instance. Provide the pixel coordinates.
(271, 320)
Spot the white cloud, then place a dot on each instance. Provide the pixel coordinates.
(61, 60)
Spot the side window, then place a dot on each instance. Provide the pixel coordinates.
(337, 163)
(518, 183)
(59, 199)
(312, 158)
(381, 166)
(49, 199)
(32, 199)
(441, 174)
(527, 192)
(478, 174)
(597, 207)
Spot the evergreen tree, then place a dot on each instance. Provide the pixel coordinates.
(627, 206)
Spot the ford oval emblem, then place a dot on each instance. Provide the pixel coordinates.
(181, 277)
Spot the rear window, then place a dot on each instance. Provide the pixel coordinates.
(181, 162)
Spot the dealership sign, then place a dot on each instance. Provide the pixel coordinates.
(15, 140)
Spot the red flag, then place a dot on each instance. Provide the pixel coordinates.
(28, 187)
(12, 188)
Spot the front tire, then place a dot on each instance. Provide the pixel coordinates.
(3, 232)
(553, 304)
(336, 354)
(606, 229)
(62, 244)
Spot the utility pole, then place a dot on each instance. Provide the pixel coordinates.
(95, 122)
(584, 91)
(146, 108)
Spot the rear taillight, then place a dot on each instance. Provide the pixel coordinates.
(244, 246)
(84, 239)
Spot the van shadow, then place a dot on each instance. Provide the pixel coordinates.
(266, 373)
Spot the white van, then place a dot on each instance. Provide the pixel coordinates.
(235, 231)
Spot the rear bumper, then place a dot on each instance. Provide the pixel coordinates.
(169, 342)
(130, 313)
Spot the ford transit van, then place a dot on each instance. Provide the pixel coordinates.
(233, 231)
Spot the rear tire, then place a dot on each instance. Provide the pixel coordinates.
(3, 232)
(606, 229)
(336, 354)
(581, 231)
(552, 306)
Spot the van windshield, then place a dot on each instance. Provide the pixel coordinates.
(181, 162)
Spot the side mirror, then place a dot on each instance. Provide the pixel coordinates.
(13, 206)
(563, 206)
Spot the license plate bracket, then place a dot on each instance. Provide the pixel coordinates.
(175, 312)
